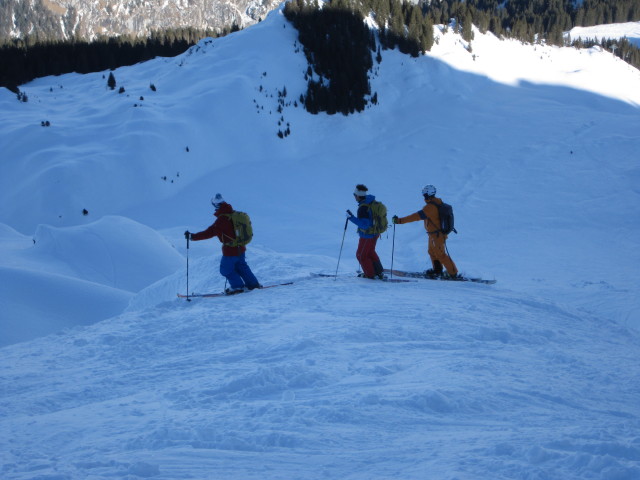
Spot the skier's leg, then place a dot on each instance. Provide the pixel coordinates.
(242, 268)
(375, 259)
(436, 266)
(440, 254)
(363, 254)
(228, 270)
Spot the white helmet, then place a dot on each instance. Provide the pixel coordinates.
(429, 190)
(217, 201)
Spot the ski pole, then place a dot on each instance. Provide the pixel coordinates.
(393, 247)
(341, 245)
(188, 299)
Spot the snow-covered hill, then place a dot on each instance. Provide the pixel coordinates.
(629, 30)
(328, 379)
(533, 377)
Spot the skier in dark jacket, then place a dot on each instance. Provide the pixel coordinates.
(366, 253)
(233, 265)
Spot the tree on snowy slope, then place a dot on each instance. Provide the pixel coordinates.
(338, 47)
(111, 81)
(467, 28)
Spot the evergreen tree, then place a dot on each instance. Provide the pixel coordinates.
(111, 81)
(427, 38)
(467, 29)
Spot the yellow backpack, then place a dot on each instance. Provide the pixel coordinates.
(242, 227)
(379, 217)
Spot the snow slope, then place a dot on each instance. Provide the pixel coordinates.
(329, 379)
(630, 31)
(534, 377)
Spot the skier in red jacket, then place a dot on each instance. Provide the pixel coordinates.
(233, 265)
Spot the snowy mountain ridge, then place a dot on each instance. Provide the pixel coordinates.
(65, 19)
(108, 375)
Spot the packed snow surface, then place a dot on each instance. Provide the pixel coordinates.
(107, 374)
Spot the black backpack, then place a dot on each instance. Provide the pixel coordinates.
(445, 212)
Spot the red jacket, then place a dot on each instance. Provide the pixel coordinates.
(223, 229)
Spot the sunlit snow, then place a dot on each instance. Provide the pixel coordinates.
(107, 374)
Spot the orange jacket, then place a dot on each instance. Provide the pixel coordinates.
(429, 214)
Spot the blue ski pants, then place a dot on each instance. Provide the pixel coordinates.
(237, 272)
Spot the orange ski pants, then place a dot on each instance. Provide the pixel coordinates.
(438, 252)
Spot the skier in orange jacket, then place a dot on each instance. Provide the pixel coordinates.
(437, 240)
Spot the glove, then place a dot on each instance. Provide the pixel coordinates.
(395, 219)
(349, 214)
(187, 235)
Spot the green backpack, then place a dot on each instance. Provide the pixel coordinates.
(379, 217)
(242, 227)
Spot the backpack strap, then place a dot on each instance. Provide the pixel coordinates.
(368, 207)
(233, 227)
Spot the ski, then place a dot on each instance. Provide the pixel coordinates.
(401, 273)
(385, 279)
(393, 280)
(223, 294)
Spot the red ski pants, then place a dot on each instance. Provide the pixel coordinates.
(367, 256)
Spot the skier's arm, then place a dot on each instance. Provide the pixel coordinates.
(363, 220)
(414, 217)
(212, 231)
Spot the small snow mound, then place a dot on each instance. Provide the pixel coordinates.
(114, 251)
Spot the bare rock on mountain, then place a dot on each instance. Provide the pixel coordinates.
(88, 19)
